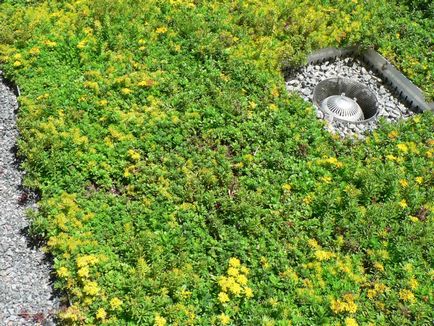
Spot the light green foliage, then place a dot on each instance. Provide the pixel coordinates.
(180, 183)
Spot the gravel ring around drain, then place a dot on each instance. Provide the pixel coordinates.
(304, 80)
(26, 294)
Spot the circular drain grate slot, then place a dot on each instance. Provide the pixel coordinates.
(343, 108)
(346, 100)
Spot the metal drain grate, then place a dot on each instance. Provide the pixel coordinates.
(345, 100)
(343, 108)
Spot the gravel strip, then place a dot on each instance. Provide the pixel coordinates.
(26, 295)
(304, 80)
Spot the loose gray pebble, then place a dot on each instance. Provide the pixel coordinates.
(25, 286)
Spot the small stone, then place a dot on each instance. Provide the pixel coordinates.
(306, 91)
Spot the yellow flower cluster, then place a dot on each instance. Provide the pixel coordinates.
(91, 288)
(402, 147)
(378, 289)
(407, 295)
(224, 319)
(393, 134)
(63, 272)
(115, 303)
(86, 260)
(403, 203)
(159, 321)
(235, 282)
(345, 305)
(134, 154)
(323, 255)
(101, 314)
(350, 322)
(330, 161)
(72, 313)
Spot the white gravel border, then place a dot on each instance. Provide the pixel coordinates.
(26, 294)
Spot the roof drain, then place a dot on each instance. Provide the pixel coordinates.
(345, 100)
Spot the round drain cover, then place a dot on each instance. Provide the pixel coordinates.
(345, 100)
(342, 107)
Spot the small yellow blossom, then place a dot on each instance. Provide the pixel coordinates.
(134, 155)
(313, 243)
(379, 266)
(71, 313)
(351, 307)
(323, 255)
(408, 268)
(86, 260)
(264, 262)
(286, 187)
(338, 306)
(249, 292)
(414, 219)
(82, 44)
(185, 294)
(50, 44)
(63, 272)
(101, 314)
(235, 288)
(242, 279)
(34, 51)
(413, 283)
(393, 134)
(308, 199)
(275, 92)
(224, 319)
(350, 322)
(380, 288)
(159, 321)
(273, 302)
(126, 91)
(326, 179)
(346, 305)
(234, 262)
(404, 183)
(115, 303)
(402, 147)
(371, 293)
(232, 271)
(223, 282)
(419, 180)
(223, 297)
(161, 30)
(91, 288)
(273, 107)
(83, 272)
(244, 270)
(403, 203)
(407, 295)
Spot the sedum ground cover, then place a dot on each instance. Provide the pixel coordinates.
(181, 185)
